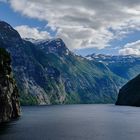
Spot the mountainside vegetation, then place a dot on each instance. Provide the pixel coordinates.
(126, 67)
(47, 72)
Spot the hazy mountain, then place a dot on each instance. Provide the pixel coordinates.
(47, 72)
(126, 67)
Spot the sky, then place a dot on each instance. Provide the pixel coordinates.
(86, 26)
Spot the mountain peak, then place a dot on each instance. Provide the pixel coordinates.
(111, 58)
(54, 45)
(8, 34)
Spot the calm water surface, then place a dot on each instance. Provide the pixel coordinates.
(75, 122)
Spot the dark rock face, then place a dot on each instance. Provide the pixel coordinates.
(9, 97)
(130, 93)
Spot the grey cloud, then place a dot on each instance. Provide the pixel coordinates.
(131, 48)
(84, 22)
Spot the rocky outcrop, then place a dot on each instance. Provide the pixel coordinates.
(129, 94)
(9, 96)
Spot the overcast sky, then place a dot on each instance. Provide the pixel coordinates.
(86, 26)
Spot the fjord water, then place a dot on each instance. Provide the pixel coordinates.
(74, 122)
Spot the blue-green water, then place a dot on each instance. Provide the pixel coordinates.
(75, 122)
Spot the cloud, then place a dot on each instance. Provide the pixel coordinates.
(84, 23)
(31, 32)
(79, 37)
(131, 49)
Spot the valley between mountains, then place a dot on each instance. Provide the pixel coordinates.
(47, 72)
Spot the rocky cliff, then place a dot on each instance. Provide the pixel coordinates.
(130, 93)
(9, 96)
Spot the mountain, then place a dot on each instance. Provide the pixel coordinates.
(9, 96)
(47, 72)
(126, 67)
(130, 93)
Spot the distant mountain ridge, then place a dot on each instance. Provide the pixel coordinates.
(112, 58)
(126, 67)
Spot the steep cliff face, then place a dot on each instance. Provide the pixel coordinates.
(130, 93)
(9, 97)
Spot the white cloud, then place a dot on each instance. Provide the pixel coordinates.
(84, 23)
(79, 37)
(31, 32)
(131, 49)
